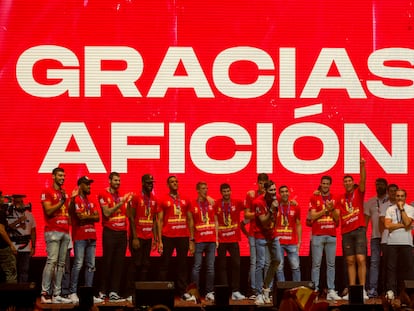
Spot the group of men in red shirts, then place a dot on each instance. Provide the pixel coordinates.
(201, 226)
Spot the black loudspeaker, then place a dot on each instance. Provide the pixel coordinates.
(86, 297)
(149, 294)
(221, 295)
(19, 295)
(356, 295)
(407, 293)
(280, 287)
(409, 287)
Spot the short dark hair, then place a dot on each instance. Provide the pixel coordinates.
(199, 184)
(283, 186)
(224, 186)
(113, 174)
(262, 177)
(381, 181)
(169, 177)
(58, 170)
(392, 186)
(327, 177)
(348, 176)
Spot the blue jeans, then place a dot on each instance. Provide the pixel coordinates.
(319, 244)
(209, 248)
(294, 261)
(374, 268)
(56, 248)
(252, 273)
(84, 251)
(264, 280)
(252, 245)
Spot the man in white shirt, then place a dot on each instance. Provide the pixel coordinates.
(398, 219)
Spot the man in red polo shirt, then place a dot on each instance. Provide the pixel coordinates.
(114, 237)
(173, 234)
(55, 205)
(142, 213)
(84, 216)
(228, 215)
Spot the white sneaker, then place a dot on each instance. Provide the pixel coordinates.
(210, 296)
(259, 300)
(237, 296)
(333, 295)
(74, 298)
(129, 299)
(346, 297)
(365, 295)
(390, 295)
(97, 300)
(114, 297)
(189, 298)
(266, 295)
(60, 299)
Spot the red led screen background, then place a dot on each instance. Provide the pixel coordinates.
(206, 90)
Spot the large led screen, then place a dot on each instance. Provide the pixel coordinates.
(217, 91)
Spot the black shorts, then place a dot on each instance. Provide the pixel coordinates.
(355, 242)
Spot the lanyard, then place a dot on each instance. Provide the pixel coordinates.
(348, 202)
(115, 197)
(226, 213)
(177, 204)
(148, 207)
(325, 198)
(285, 214)
(87, 205)
(204, 210)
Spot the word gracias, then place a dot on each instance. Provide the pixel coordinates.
(66, 73)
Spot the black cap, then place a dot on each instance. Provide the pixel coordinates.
(147, 178)
(84, 180)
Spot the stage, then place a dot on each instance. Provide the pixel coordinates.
(243, 305)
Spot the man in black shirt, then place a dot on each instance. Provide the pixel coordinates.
(7, 250)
